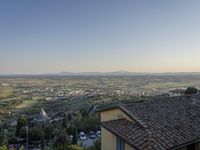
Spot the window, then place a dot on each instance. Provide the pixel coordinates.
(191, 147)
(120, 144)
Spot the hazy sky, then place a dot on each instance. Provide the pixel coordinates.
(40, 36)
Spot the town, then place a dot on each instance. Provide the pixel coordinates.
(48, 112)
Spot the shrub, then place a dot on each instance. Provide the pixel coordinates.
(12, 140)
(191, 90)
(3, 148)
(49, 132)
(74, 147)
(20, 123)
(36, 134)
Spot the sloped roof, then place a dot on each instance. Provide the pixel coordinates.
(160, 124)
(131, 132)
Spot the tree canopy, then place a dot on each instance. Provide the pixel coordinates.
(20, 123)
(191, 90)
(36, 134)
(64, 124)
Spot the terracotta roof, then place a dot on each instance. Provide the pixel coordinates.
(131, 132)
(159, 124)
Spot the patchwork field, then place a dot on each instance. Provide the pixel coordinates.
(6, 91)
(26, 104)
(61, 93)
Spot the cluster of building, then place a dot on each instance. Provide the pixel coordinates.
(54, 92)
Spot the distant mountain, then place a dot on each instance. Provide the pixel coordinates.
(115, 73)
(97, 73)
(122, 73)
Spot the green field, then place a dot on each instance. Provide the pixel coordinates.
(6, 91)
(26, 104)
(168, 85)
(30, 93)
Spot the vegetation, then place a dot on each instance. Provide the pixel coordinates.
(12, 140)
(3, 147)
(74, 147)
(69, 147)
(72, 102)
(20, 123)
(26, 104)
(49, 132)
(6, 92)
(61, 140)
(89, 123)
(74, 134)
(36, 134)
(2, 138)
(96, 146)
(191, 90)
(64, 125)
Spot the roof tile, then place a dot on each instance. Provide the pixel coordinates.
(160, 124)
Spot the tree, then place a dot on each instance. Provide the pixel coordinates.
(20, 123)
(61, 147)
(191, 90)
(36, 134)
(22, 147)
(3, 147)
(64, 124)
(74, 147)
(12, 147)
(84, 112)
(2, 138)
(1, 125)
(61, 138)
(74, 133)
(69, 117)
(12, 140)
(70, 130)
(42, 142)
(49, 131)
(23, 133)
(96, 146)
(89, 123)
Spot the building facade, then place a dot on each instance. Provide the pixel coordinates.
(170, 123)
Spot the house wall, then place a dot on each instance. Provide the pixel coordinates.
(113, 114)
(183, 148)
(128, 147)
(197, 145)
(108, 140)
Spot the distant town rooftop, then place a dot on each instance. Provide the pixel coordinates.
(167, 123)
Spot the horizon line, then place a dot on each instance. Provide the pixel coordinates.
(101, 72)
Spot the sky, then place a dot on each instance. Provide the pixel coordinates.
(49, 36)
